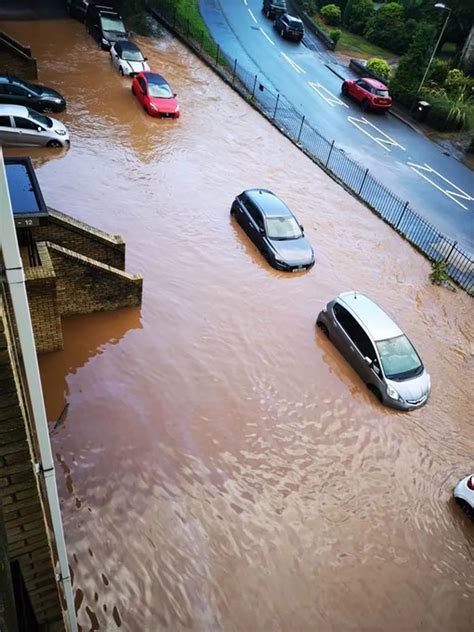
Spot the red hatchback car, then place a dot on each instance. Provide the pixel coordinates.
(371, 93)
(155, 95)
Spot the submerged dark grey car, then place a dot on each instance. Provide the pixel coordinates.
(377, 349)
(273, 229)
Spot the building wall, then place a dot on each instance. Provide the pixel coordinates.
(467, 55)
(23, 511)
(70, 233)
(7, 602)
(16, 59)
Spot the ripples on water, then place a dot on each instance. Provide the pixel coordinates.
(220, 466)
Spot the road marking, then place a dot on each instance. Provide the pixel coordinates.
(294, 65)
(270, 40)
(252, 16)
(325, 94)
(453, 195)
(381, 138)
(245, 2)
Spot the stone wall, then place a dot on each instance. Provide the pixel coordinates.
(23, 510)
(85, 285)
(16, 59)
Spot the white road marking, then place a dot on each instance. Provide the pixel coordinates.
(453, 195)
(381, 138)
(252, 16)
(245, 2)
(268, 38)
(294, 65)
(325, 94)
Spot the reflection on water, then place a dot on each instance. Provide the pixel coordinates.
(221, 467)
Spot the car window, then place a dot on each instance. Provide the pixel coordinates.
(16, 90)
(132, 55)
(142, 84)
(399, 358)
(381, 93)
(355, 332)
(23, 123)
(254, 212)
(5, 121)
(2, 88)
(283, 228)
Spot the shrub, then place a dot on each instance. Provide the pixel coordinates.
(438, 71)
(335, 35)
(310, 6)
(379, 67)
(457, 82)
(332, 14)
(357, 14)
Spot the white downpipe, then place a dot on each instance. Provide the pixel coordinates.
(16, 282)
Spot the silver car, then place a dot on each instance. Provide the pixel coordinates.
(377, 349)
(23, 126)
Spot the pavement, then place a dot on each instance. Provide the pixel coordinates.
(309, 76)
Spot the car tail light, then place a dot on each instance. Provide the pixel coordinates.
(470, 482)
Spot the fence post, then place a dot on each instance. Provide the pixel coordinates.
(276, 107)
(363, 181)
(451, 251)
(217, 54)
(233, 73)
(254, 86)
(330, 152)
(301, 128)
(202, 41)
(399, 221)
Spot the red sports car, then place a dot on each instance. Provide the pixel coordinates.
(155, 95)
(371, 93)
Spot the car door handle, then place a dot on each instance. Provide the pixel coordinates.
(351, 348)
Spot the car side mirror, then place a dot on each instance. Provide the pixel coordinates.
(302, 228)
(29, 95)
(145, 59)
(175, 94)
(40, 129)
(261, 229)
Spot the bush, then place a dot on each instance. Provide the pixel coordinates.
(357, 14)
(310, 6)
(332, 14)
(438, 71)
(379, 67)
(335, 36)
(457, 82)
(386, 28)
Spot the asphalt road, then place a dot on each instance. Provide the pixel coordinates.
(438, 187)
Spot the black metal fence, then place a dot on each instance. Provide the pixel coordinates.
(334, 160)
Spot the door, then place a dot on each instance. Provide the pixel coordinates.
(142, 90)
(353, 342)
(16, 95)
(115, 57)
(29, 133)
(255, 223)
(7, 131)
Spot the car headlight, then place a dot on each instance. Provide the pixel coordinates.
(105, 41)
(278, 258)
(61, 132)
(153, 106)
(57, 100)
(391, 392)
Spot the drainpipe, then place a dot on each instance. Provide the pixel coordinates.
(16, 283)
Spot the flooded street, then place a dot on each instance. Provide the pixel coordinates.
(220, 466)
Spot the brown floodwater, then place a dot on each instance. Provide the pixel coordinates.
(220, 466)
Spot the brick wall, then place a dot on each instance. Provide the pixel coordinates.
(91, 242)
(23, 511)
(42, 299)
(16, 59)
(7, 602)
(85, 285)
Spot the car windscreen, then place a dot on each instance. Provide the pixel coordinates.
(279, 3)
(295, 24)
(132, 55)
(112, 24)
(40, 118)
(381, 93)
(399, 359)
(282, 228)
(160, 90)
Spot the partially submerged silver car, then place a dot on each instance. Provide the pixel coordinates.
(24, 126)
(377, 349)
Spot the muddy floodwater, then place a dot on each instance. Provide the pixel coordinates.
(220, 466)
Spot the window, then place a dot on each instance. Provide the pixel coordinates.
(160, 90)
(5, 121)
(142, 84)
(254, 212)
(355, 332)
(399, 359)
(23, 123)
(16, 91)
(40, 118)
(112, 24)
(283, 228)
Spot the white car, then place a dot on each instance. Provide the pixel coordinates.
(464, 494)
(128, 59)
(22, 126)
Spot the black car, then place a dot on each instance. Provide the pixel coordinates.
(77, 9)
(15, 91)
(105, 24)
(290, 27)
(274, 230)
(272, 8)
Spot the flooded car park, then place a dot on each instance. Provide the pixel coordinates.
(220, 465)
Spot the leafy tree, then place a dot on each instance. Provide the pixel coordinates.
(357, 14)
(332, 14)
(386, 27)
(379, 67)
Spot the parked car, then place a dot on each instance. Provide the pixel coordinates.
(128, 58)
(77, 9)
(272, 8)
(23, 126)
(105, 24)
(372, 94)
(464, 494)
(289, 27)
(273, 229)
(377, 349)
(155, 95)
(15, 91)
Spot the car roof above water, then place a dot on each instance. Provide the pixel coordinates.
(14, 110)
(377, 322)
(268, 202)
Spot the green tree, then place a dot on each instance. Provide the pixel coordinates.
(332, 14)
(357, 14)
(438, 71)
(386, 27)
